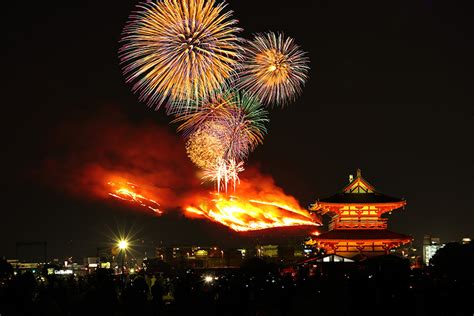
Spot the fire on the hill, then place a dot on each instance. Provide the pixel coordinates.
(128, 191)
(242, 214)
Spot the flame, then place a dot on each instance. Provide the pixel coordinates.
(241, 214)
(128, 191)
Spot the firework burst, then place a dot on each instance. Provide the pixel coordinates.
(206, 145)
(213, 109)
(225, 172)
(179, 50)
(246, 124)
(234, 119)
(274, 69)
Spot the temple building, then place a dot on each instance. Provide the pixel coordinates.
(356, 229)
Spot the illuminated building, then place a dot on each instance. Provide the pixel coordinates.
(194, 256)
(356, 227)
(430, 246)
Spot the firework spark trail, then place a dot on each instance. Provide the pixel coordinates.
(221, 133)
(241, 214)
(274, 69)
(224, 172)
(242, 116)
(215, 108)
(179, 50)
(128, 191)
(246, 125)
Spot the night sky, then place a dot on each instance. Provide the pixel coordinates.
(390, 92)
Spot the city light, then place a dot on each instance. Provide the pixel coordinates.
(208, 279)
(123, 244)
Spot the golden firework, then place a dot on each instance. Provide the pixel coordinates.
(274, 69)
(179, 50)
(206, 146)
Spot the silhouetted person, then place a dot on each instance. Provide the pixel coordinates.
(157, 292)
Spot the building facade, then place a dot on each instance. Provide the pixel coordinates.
(357, 229)
(430, 246)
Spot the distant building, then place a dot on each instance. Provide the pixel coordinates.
(280, 253)
(357, 228)
(270, 251)
(195, 256)
(410, 253)
(216, 257)
(430, 246)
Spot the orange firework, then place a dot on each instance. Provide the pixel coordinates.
(274, 69)
(128, 191)
(243, 214)
(179, 50)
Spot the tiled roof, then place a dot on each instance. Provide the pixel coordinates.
(360, 198)
(360, 191)
(360, 234)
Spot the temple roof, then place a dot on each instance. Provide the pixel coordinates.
(361, 234)
(362, 198)
(359, 191)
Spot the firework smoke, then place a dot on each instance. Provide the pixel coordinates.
(111, 149)
(145, 168)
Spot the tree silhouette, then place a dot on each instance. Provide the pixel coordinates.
(6, 269)
(454, 261)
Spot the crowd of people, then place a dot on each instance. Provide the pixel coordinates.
(386, 286)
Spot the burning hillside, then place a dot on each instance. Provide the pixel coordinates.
(146, 167)
(242, 214)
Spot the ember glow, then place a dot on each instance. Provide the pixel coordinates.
(128, 191)
(243, 214)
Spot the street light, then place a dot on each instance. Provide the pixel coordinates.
(123, 245)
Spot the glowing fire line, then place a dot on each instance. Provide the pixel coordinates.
(126, 192)
(246, 215)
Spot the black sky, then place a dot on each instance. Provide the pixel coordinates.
(391, 92)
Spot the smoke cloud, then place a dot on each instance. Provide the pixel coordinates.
(86, 154)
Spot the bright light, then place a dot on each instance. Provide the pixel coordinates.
(123, 244)
(208, 278)
(243, 214)
(128, 191)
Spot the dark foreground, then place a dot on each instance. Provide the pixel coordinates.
(385, 286)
